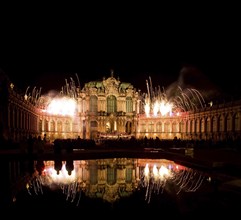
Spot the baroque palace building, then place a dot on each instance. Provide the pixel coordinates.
(111, 109)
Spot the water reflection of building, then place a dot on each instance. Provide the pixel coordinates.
(108, 179)
(110, 108)
(115, 178)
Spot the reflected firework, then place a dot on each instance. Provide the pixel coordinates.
(113, 179)
(155, 178)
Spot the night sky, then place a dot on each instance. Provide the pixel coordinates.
(193, 49)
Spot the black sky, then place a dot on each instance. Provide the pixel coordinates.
(43, 52)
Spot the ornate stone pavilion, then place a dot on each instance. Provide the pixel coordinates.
(111, 109)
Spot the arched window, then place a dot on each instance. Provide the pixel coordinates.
(208, 124)
(40, 125)
(67, 126)
(128, 175)
(93, 104)
(203, 125)
(129, 104)
(215, 124)
(221, 124)
(46, 125)
(181, 126)
(236, 122)
(111, 104)
(143, 127)
(52, 126)
(229, 123)
(192, 126)
(197, 123)
(93, 169)
(59, 126)
(151, 126)
(111, 175)
(174, 127)
(159, 127)
(167, 127)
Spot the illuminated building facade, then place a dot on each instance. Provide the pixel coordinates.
(112, 109)
(219, 122)
(103, 108)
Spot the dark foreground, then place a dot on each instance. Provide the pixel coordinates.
(205, 203)
(219, 198)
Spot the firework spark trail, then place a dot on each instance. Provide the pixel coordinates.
(200, 97)
(186, 179)
(192, 180)
(80, 194)
(179, 178)
(39, 184)
(74, 190)
(28, 188)
(77, 79)
(185, 100)
(35, 187)
(197, 185)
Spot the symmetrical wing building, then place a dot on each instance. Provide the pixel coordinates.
(113, 109)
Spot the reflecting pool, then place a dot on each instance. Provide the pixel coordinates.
(110, 186)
